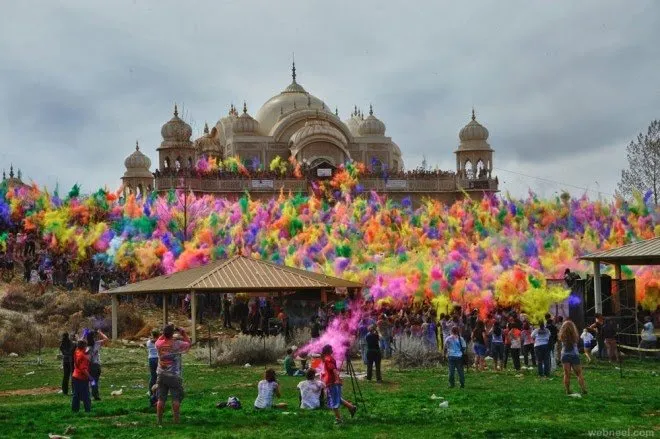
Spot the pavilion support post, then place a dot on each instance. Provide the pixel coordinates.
(324, 296)
(115, 311)
(193, 316)
(598, 298)
(616, 289)
(165, 309)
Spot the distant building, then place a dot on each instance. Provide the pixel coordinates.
(295, 123)
(14, 180)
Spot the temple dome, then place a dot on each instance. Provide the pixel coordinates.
(371, 126)
(245, 124)
(473, 131)
(137, 164)
(293, 97)
(353, 123)
(176, 130)
(137, 160)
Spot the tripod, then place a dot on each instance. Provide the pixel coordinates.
(357, 392)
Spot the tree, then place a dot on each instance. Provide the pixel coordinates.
(643, 173)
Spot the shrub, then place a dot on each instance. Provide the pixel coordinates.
(19, 333)
(15, 300)
(69, 303)
(413, 352)
(246, 349)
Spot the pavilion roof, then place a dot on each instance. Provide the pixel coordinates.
(235, 275)
(637, 253)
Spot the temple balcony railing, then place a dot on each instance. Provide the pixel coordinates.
(405, 184)
(197, 184)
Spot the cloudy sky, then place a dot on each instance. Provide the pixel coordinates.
(562, 86)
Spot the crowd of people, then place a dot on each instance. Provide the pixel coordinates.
(303, 171)
(47, 268)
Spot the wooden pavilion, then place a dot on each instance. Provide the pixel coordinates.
(238, 274)
(637, 253)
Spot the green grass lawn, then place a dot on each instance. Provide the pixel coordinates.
(491, 405)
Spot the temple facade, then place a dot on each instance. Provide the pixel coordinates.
(296, 124)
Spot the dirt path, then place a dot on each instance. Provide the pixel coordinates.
(29, 392)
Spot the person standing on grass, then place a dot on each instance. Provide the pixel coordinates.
(66, 349)
(528, 344)
(515, 339)
(455, 348)
(541, 336)
(550, 326)
(152, 359)
(373, 354)
(609, 334)
(648, 337)
(559, 321)
(479, 336)
(570, 356)
(169, 370)
(80, 378)
(598, 327)
(497, 345)
(95, 339)
(587, 338)
(332, 382)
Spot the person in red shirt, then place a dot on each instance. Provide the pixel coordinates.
(332, 382)
(169, 369)
(80, 378)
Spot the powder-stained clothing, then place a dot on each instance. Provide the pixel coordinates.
(80, 365)
(330, 374)
(169, 355)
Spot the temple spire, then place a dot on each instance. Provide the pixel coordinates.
(244, 107)
(11, 171)
(137, 146)
(371, 110)
(4, 176)
(293, 68)
(176, 111)
(206, 128)
(473, 116)
(336, 112)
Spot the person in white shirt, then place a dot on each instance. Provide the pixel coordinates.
(268, 389)
(152, 358)
(648, 336)
(587, 341)
(310, 391)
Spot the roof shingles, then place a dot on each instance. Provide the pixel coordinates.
(236, 274)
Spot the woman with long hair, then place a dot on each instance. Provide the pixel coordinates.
(570, 356)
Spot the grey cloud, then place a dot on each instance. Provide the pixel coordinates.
(80, 81)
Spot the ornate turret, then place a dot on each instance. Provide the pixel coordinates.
(137, 179)
(371, 126)
(245, 124)
(176, 150)
(474, 156)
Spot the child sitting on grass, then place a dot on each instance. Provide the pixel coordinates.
(268, 389)
(290, 365)
(310, 391)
